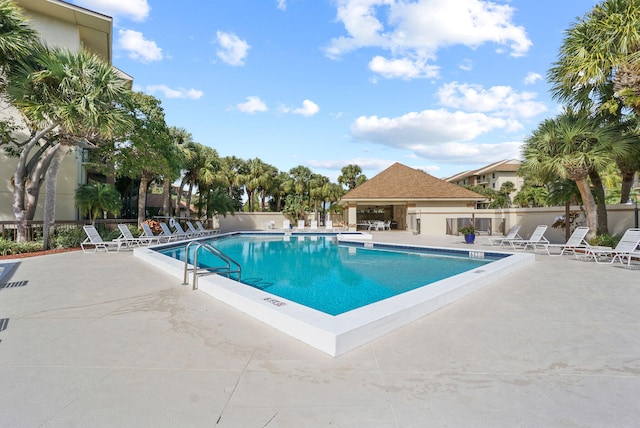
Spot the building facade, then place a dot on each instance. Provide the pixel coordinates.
(63, 25)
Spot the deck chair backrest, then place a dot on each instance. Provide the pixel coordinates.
(192, 227)
(124, 229)
(286, 224)
(513, 232)
(165, 229)
(92, 234)
(200, 227)
(179, 228)
(328, 224)
(314, 224)
(629, 241)
(577, 237)
(146, 229)
(300, 224)
(538, 234)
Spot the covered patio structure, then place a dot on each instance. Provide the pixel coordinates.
(401, 196)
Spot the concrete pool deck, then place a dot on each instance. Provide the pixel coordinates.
(106, 340)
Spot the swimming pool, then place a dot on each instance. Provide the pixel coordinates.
(337, 334)
(318, 272)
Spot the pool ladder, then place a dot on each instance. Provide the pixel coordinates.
(224, 270)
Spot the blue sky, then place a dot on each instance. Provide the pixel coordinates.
(440, 85)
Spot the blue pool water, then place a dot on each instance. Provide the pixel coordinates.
(333, 278)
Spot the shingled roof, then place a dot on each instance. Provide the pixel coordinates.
(402, 182)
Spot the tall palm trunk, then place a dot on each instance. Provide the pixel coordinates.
(589, 204)
(142, 197)
(166, 197)
(627, 185)
(50, 194)
(601, 203)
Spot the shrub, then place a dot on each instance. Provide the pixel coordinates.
(68, 237)
(606, 240)
(8, 247)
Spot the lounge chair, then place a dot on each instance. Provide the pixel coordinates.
(328, 225)
(300, 225)
(512, 235)
(314, 225)
(536, 239)
(625, 250)
(148, 233)
(169, 235)
(127, 237)
(94, 240)
(181, 232)
(286, 224)
(206, 231)
(193, 230)
(576, 241)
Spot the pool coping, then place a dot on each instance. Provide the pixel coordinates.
(336, 335)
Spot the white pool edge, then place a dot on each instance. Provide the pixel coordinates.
(336, 335)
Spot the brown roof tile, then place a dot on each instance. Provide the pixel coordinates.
(402, 182)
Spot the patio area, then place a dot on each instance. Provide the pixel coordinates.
(101, 340)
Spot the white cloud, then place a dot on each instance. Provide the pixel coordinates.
(364, 163)
(139, 48)
(309, 108)
(532, 78)
(233, 50)
(418, 29)
(466, 65)
(252, 105)
(455, 152)
(192, 94)
(137, 10)
(500, 100)
(404, 68)
(282, 4)
(426, 127)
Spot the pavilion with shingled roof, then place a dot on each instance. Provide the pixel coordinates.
(401, 194)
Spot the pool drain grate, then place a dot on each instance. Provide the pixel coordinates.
(13, 284)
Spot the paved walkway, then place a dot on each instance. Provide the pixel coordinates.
(106, 340)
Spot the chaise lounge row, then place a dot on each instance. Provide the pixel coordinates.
(625, 252)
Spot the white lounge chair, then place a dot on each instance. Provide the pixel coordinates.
(536, 239)
(314, 225)
(192, 230)
(576, 241)
(204, 230)
(328, 225)
(127, 238)
(512, 235)
(623, 251)
(286, 224)
(169, 235)
(300, 225)
(94, 240)
(183, 233)
(148, 233)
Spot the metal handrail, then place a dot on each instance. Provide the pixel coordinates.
(216, 252)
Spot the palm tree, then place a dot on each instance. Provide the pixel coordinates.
(570, 146)
(17, 38)
(599, 69)
(95, 198)
(351, 176)
(201, 164)
(179, 136)
(67, 99)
